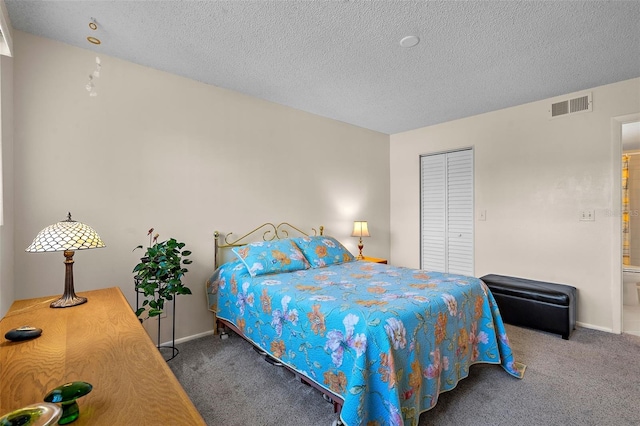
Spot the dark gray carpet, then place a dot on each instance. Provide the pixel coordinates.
(592, 379)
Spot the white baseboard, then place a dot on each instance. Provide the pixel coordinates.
(186, 339)
(594, 327)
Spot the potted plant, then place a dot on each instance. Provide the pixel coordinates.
(159, 273)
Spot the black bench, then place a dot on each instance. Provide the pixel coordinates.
(544, 306)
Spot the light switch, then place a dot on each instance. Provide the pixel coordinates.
(483, 215)
(587, 216)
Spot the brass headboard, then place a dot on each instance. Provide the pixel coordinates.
(269, 231)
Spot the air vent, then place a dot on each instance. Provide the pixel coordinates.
(581, 103)
(559, 108)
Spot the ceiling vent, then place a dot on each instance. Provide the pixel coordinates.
(581, 103)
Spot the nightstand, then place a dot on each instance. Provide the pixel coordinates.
(374, 259)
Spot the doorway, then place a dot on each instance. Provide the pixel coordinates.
(630, 214)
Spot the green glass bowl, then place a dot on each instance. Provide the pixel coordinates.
(43, 414)
(66, 396)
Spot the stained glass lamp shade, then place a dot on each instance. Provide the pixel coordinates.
(360, 229)
(67, 236)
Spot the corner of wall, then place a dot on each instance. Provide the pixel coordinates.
(7, 291)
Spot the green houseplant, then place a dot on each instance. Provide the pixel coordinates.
(159, 273)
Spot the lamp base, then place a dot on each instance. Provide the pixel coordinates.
(69, 297)
(360, 247)
(68, 301)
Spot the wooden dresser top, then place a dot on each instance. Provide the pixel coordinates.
(100, 342)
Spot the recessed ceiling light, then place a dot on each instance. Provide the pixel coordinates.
(409, 41)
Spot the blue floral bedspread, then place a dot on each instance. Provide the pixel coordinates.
(386, 339)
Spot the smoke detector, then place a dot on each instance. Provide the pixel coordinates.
(409, 41)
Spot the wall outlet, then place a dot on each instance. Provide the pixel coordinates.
(587, 216)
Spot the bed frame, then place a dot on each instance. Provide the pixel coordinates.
(269, 232)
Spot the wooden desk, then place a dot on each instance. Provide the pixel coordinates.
(100, 342)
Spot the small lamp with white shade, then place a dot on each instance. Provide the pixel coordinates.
(360, 229)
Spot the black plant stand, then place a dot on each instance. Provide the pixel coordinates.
(173, 350)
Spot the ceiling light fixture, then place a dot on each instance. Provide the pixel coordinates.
(409, 41)
(91, 87)
(94, 26)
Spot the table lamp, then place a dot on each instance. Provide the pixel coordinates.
(360, 229)
(67, 236)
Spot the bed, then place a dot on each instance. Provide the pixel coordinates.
(380, 341)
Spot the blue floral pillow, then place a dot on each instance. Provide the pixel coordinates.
(322, 251)
(271, 257)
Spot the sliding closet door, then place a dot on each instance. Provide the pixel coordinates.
(447, 212)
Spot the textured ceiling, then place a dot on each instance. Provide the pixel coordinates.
(343, 60)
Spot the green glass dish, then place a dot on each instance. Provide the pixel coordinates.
(66, 395)
(42, 414)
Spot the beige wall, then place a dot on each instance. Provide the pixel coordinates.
(154, 149)
(533, 176)
(7, 293)
(157, 150)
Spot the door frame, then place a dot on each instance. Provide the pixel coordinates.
(616, 209)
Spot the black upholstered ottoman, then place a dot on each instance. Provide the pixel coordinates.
(541, 305)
